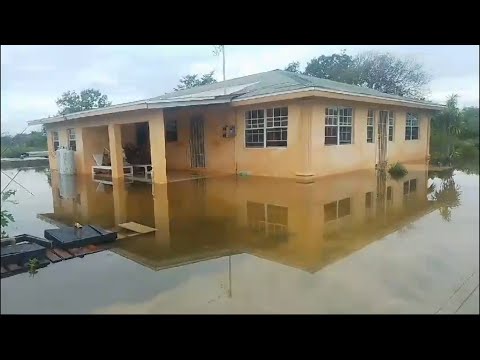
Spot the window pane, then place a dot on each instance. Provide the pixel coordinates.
(255, 215)
(277, 214)
(345, 135)
(277, 137)
(408, 133)
(369, 200)
(370, 134)
(254, 138)
(414, 133)
(390, 133)
(330, 211)
(344, 207)
(330, 140)
(276, 112)
(406, 188)
(389, 193)
(284, 111)
(413, 185)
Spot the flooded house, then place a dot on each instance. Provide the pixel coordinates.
(276, 124)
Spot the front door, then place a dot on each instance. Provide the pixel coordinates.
(197, 145)
(382, 139)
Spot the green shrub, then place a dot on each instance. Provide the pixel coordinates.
(397, 171)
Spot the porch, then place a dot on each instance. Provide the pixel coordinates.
(173, 145)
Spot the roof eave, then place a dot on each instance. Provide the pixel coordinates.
(144, 105)
(417, 104)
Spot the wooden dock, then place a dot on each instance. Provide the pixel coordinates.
(52, 256)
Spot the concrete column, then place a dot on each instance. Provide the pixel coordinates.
(304, 172)
(157, 147)
(52, 156)
(116, 153)
(161, 213)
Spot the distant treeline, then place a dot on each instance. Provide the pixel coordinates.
(14, 146)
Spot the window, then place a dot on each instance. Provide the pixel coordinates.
(368, 200)
(391, 125)
(72, 140)
(55, 140)
(411, 127)
(370, 126)
(389, 193)
(171, 133)
(336, 209)
(267, 218)
(266, 128)
(338, 126)
(409, 186)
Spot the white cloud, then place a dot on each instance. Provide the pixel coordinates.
(34, 76)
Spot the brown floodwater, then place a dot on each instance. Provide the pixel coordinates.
(353, 243)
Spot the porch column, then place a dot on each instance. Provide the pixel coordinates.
(161, 213)
(52, 156)
(304, 172)
(157, 147)
(116, 153)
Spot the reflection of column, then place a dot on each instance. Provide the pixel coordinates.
(119, 201)
(161, 213)
(157, 148)
(116, 153)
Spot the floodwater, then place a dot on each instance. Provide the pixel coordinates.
(355, 243)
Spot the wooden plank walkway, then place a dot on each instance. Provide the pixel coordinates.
(54, 255)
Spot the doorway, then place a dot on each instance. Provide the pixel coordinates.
(197, 143)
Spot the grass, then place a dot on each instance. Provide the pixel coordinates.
(16, 151)
(397, 170)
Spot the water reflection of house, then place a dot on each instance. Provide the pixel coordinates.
(303, 226)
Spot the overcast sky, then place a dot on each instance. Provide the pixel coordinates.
(32, 77)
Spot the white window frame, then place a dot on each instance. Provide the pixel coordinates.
(55, 140)
(391, 123)
(332, 120)
(371, 124)
(265, 119)
(410, 121)
(72, 136)
(409, 188)
(278, 228)
(337, 205)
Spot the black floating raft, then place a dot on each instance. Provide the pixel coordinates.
(21, 253)
(71, 237)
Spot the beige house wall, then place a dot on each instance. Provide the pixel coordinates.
(305, 154)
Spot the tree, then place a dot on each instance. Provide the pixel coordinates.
(71, 102)
(336, 67)
(293, 67)
(389, 74)
(446, 126)
(380, 71)
(5, 216)
(190, 81)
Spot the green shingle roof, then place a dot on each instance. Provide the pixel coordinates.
(276, 81)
